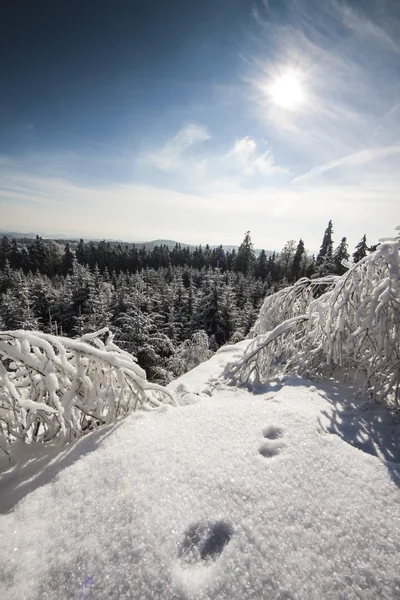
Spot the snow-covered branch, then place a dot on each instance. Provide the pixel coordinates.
(55, 387)
(290, 302)
(353, 326)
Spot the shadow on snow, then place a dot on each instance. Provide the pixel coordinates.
(35, 467)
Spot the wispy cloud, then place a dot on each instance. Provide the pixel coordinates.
(363, 25)
(220, 214)
(351, 161)
(209, 166)
(250, 161)
(348, 68)
(174, 151)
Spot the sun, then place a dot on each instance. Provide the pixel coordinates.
(287, 91)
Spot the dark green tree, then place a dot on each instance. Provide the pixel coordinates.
(297, 261)
(245, 261)
(15, 255)
(326, 250)
(67, 261)
(5, 251)
(262, 266)
(286, 259)
(81, 252)
(340, 254)
(361, 249)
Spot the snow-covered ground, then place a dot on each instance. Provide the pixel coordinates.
(290, 493)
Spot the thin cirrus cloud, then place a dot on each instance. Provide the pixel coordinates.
(347, 65)
(250, 161)
(174, 152)
(352, 161)
(206, 166)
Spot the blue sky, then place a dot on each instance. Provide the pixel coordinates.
(197, 120)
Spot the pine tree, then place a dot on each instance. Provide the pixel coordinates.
(9, 278)
(5, 251)
(324, 263)
(38, 259)
(361, 249)
(286, 258)
(230, 259)
(325, 253)
(340, 254)
(297, 261)
(43, 295)
(215, 313)
(17, 310)
(262, 266)
(80, 252)
(310, 267)
(245, 261)
(67, 260)
(15, 255)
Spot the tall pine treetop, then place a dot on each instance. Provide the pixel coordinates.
(361, 249)
(246, 257)
(326, 250)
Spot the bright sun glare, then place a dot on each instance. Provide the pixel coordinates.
(286, 91)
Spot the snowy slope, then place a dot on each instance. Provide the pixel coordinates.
(232, 496)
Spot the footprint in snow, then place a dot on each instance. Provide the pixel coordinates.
(204, 542)
(273, 445)
(271, 448)
(272, 433)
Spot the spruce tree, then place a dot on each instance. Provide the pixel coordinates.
(339, 255)
(326, 250)
(5, 251)
(361, 249)
(286, 258)
(67, 261)
(297, 259)
(245, 261)
(15, 255)
(81, 253)
(262, 266)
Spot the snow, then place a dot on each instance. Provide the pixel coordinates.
(291, 493)
(97, 383)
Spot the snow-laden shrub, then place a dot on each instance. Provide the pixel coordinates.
(289, 302)
(55, 387)
(191, 353)
(354, 327)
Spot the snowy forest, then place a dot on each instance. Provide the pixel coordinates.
(170, 308)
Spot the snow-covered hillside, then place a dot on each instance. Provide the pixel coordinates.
(290, 493)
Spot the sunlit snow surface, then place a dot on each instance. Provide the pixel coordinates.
(290, 493)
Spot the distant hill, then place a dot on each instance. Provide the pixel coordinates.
(63, 239)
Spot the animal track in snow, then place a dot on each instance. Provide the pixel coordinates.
(271, 448)
(204, 541)
(272, 433)
(273, 445)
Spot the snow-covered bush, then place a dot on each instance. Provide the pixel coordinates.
(191, 353)
(55, 387)
(354, 326)
(290, 302)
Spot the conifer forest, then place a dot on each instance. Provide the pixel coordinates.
(171, 307)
